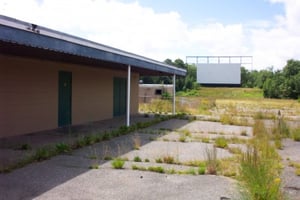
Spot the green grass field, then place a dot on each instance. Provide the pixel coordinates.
(224, 93)
(236, 102)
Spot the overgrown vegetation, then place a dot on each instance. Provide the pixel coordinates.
(283, 83)
(221, 142)
(296, 134)
(211, 160)
(49, 151)
(260, 169)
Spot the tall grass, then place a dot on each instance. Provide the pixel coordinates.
(211, 160)
(259, 170)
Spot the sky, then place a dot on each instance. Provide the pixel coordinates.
(268, 30)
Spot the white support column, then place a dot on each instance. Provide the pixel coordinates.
(128, 96)
(174, 94)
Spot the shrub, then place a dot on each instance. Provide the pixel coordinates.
(221, 142)
(118, 163)
(147, 160)
(158, 160)
(137, 159)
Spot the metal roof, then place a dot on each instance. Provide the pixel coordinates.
(23, 38)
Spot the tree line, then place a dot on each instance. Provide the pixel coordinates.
(182, 83)
(281, 84)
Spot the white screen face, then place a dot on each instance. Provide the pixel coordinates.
(219, 73)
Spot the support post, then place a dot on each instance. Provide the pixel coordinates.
(174, 94)
(128, 96)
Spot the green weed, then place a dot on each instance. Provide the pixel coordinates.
(118, 163)
(201, 170)
(62, 148)
(158, 169)
(137, 159)
(221, 142)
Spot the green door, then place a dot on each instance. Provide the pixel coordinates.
(120, 90)
(64, 98)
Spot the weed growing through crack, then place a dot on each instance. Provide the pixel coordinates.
(62, 148)
(118, 163)
(221, 142)
(137, 159)
(44, 153)
(191, 171)
(201, 170)
(168, 159)
(158, 169)
(136, 142)
(211, 160)
(205, 140)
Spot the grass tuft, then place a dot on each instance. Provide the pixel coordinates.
(211, 160)
(118, 163)
(221, 142)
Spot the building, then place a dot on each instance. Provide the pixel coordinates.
(50, 79)
(147, 92)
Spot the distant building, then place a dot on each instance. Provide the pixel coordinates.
(147, 92)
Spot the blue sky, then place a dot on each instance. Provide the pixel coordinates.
(268, 30)
(225, 11)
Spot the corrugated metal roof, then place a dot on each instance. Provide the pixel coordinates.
(23, 33)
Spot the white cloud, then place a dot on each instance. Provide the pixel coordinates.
(273, 46)
(141, 30)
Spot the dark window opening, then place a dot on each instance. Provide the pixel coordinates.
(158, 92)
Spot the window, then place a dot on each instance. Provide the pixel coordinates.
(158, 92)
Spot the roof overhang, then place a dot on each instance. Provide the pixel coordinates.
(24, 39)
